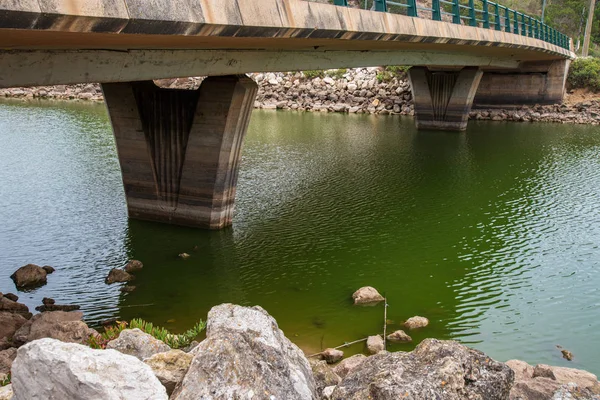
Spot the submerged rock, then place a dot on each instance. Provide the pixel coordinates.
(399, 336)
(127, 289)
(375, 344)
(50, 369)
(48, 301)
(57, 307)
(350, 363)
(416, 322)
(245, 355)
(567, 354)
(170, 367)
(367, 295)
(138, 344)
(434, 370)
(29, 276)
(118, 275)
(133, 265)
(60, 325)
(331, 356)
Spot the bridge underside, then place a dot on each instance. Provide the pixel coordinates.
(180, 150)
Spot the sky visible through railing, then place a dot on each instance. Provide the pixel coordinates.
(478, 13)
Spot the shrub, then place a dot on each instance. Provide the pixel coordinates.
(585, 73)
(174, 341)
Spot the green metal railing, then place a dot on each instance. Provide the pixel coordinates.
(489, 15)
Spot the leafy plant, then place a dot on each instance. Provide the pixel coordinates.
(585, 73)
(110, 333)
(174, 341)
(6, 380)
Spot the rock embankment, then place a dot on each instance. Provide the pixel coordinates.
(372, 90)
(246, 356)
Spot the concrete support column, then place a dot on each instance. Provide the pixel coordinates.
(180, 150)
(530, 84)
(443, 100)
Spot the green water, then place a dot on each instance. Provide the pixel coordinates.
(492, 234)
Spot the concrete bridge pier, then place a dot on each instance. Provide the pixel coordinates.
(180, 150)
(443, 99)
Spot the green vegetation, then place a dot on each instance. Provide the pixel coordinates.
(337, 73)
(174, 341)
(314, 73)
(585, 73)
(6, 380)
(392, 71)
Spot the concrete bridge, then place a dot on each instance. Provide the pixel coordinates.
(180, 150)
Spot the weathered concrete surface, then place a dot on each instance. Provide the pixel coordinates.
(443, 99)
(180, 150)
(222, 37)
(532, 83)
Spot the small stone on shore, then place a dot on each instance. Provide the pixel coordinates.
(118, 275)
(399, 336)
(367, 295)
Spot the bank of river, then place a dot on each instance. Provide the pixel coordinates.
(492, 234)
(356, 91)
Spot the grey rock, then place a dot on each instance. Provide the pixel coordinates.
(170, 367)
(544, 371)
(245, 354)
(50, 369)
(29, 276)
(434, 370)
(348, 364)
(327, 392)
(60, 325)
(375, 344)
(138, 344)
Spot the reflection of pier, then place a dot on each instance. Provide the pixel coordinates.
(180, 150)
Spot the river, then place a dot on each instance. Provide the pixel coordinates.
(492, 234)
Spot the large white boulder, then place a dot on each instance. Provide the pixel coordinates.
(51, 369)
(246, 356)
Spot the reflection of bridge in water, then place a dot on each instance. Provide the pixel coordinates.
(180, 150)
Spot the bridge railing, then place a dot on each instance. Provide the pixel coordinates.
(481, 13)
